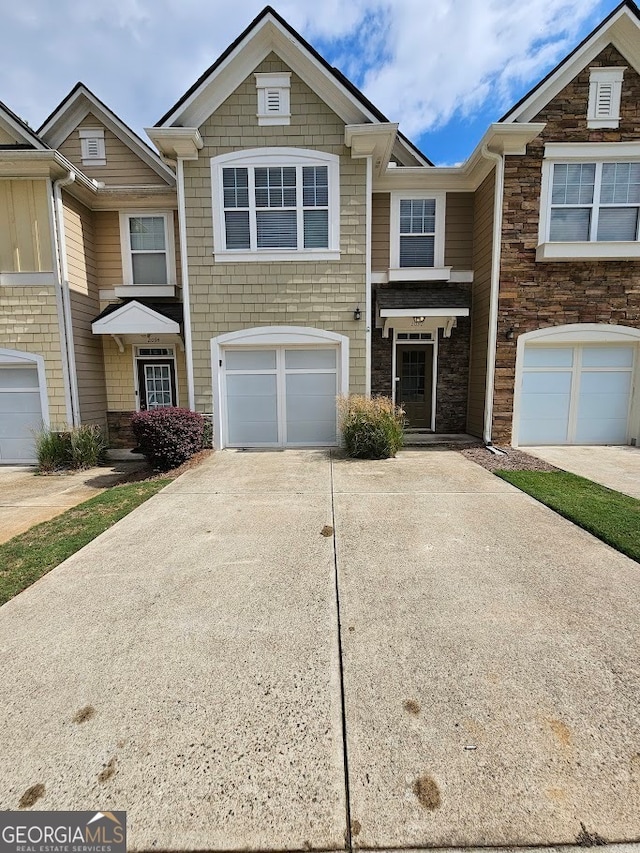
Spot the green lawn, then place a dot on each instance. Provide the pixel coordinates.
(611, 516)
(32, 554)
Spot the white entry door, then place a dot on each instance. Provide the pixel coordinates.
(20, 413)
(576, 394)
(280, 396)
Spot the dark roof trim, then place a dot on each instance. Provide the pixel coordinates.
(409, 295)
(171, 310)
(335, 72)
(23, 125)
(626, 4)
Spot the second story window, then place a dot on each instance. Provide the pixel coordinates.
(280, 205)
(417, 230)
(147, 248)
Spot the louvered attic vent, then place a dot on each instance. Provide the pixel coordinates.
(605, 91)
(273, 98)
(92, 146)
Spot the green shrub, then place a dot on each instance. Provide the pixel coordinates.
(372, 427)
(88, 446)
(80, 447)
(53, 449)
(168, 436)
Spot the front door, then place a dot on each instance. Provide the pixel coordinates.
(156, 383)
(414, 367)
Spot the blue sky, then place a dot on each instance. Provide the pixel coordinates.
(444, 69)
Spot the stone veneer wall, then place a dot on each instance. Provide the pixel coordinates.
(535, 295)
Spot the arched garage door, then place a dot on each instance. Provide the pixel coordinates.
(575, 385)
(278, 387)
(23, 406)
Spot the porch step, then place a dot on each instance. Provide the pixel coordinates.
(423, 438)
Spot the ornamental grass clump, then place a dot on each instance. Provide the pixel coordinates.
(169, 436)
(81, 447)
(372, 427)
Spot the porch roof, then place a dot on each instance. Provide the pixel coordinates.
(135, 317)
(446, 301)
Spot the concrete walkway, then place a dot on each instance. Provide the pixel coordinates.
(457, 666)
(27, 498)
(614, 467)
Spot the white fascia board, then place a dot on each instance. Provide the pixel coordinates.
(66, 120)
(27, 163)
(176, 142)
(499, 138)
(372, 140)
(135, 319)
(622, 31)
(14, 128)
(619, 250)
(424, 312)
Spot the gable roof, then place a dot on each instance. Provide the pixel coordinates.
(15, 126)
(76, 106)
(620, 28)
(270, 32)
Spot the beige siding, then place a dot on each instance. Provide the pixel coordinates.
(80, 243)
(231, 296)
(123, 167)
(119, 373)
(8, 138)
(29, 323)
(458, 232)
(107, 248)
(482, 249)
(25, 229)
(380, 225)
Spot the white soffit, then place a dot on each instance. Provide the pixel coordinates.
(266, 37)
(622, 31)
(76, 107)
(135, 319)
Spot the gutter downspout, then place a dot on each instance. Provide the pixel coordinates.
(496, 251)
(184, 268)
(63, 298)
(368, 319)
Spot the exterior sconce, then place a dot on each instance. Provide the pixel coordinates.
(357, 314)
(418, 321)
(509, 334)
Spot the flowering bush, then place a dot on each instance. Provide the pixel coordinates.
(372, 427)
(168, 436)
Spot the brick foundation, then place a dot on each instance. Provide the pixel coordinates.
(119, 430)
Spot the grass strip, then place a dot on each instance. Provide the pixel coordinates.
(611, 516)
(30, 555)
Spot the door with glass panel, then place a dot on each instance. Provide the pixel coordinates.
(156, 384)
(281, 396)
(414, 365)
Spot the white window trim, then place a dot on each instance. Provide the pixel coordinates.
(606, 76)
(281, 83)
(586, 152)
(125, 247)
(97, 133)
(261, 157)
(438, 271)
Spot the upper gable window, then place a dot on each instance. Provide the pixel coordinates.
(276, 204)
(273, 98)
(605, 91)
(590, 202)
(147, 248)
(92, 146)
(417, 231)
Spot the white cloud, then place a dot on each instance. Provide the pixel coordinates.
(421, 63)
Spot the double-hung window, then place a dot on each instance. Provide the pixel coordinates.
(590, 206)
(417, 233)
(147, 254)
(276, 204)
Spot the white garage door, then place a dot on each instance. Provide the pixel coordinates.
(575, 394)
(281, 396)
(20, 413)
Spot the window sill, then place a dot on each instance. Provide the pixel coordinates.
(614, 251)
(128, 290)
(420, 274)
(275, 256)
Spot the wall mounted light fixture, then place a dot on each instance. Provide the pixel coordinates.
(357, 314)
(418, 321)
(509, 334)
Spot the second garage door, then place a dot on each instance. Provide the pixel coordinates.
(575, 394)
(280, 396)
(20, 413)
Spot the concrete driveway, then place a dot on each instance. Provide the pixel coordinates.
(614, 467)
(458, 665)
